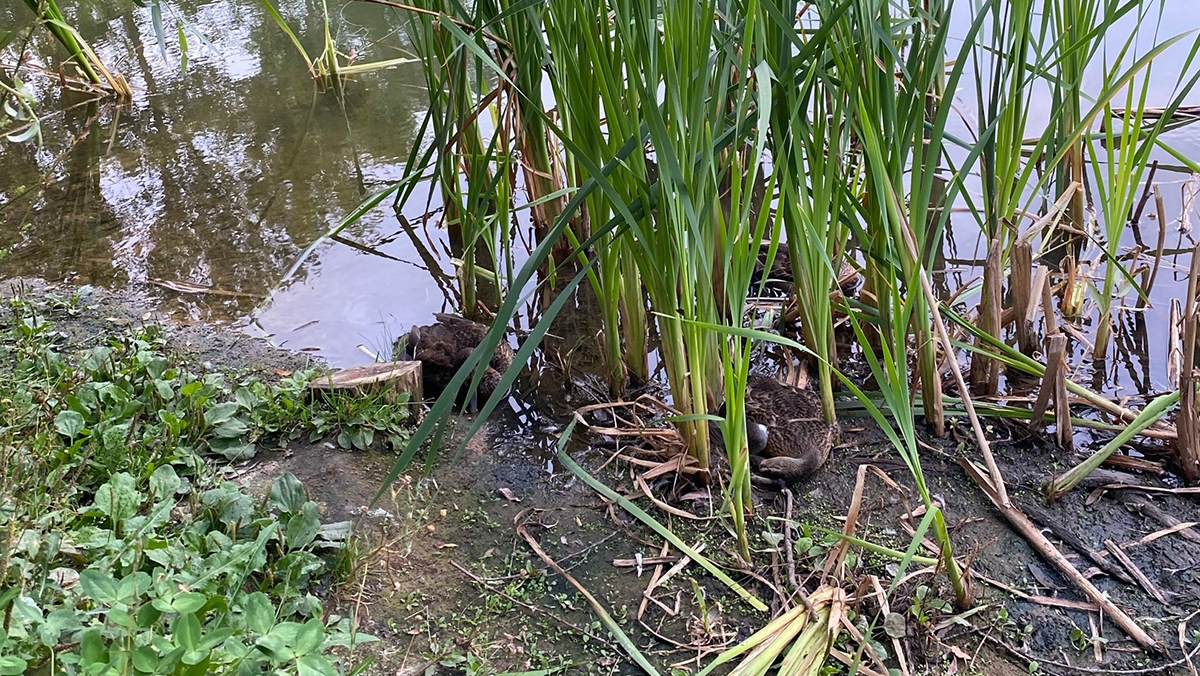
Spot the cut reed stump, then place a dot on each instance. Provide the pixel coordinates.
(390, 378)
(1021, 291)
(1054, 386)
(1187, 425)
(985, 371)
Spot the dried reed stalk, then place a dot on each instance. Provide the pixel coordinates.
(1021, 290)
(985, 371)
(1187, 444)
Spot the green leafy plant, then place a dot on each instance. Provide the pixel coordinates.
(129, 553)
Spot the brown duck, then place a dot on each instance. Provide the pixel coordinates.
(443, 347)
(786, 432)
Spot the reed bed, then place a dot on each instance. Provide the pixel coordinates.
(689, 143)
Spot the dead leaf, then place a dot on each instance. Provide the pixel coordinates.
(509, 495)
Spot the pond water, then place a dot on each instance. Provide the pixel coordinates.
(219, 176)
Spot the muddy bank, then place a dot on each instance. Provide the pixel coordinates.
(445, 578)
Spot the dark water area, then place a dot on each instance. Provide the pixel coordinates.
(219, 176)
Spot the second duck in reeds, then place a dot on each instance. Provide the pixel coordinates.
(443, 347)
(786, 432)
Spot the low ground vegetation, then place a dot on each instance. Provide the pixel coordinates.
(124, 549)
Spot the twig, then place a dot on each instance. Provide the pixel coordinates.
(1135, 571)
(1151, 510)
(787, 540)
(1043, 518)
(653, 581)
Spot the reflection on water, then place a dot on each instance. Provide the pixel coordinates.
(221, 175)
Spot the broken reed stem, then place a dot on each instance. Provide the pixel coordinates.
(1174, 343)
(1041, 279)
(1051, 327)
(1021, 288)
(1068, 305)
(985, 371)
(1056, 345)
(1057, 351)
(1187, 425)
(1143, 581)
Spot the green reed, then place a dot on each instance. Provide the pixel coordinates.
(1119, 154)
(597, 117)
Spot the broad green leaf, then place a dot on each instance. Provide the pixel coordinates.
(231, 429)
(132, 586)
(310, 637)
(260, 613)
(314, 665)
(98, 586)
(219, 413)
(11, 665)
(118, 499)
(145, 659)
(275, 647)
(188, 602)
(232, 449)
(164, 483)
(288, 494)
(187, 631)
(303, 527)
(216, 637)
(91, 647)
(69, 423)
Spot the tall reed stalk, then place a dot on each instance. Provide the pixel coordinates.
(890, 66)
(473, 178)
(810, 143)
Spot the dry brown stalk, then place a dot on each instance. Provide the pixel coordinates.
(1187, 423)
(1021, 288)
(1149, 509)
(985, 371)
(1062, 405)
(1136, 572)
(1048, 303)
(1055, 346)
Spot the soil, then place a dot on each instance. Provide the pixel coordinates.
(444, 579)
